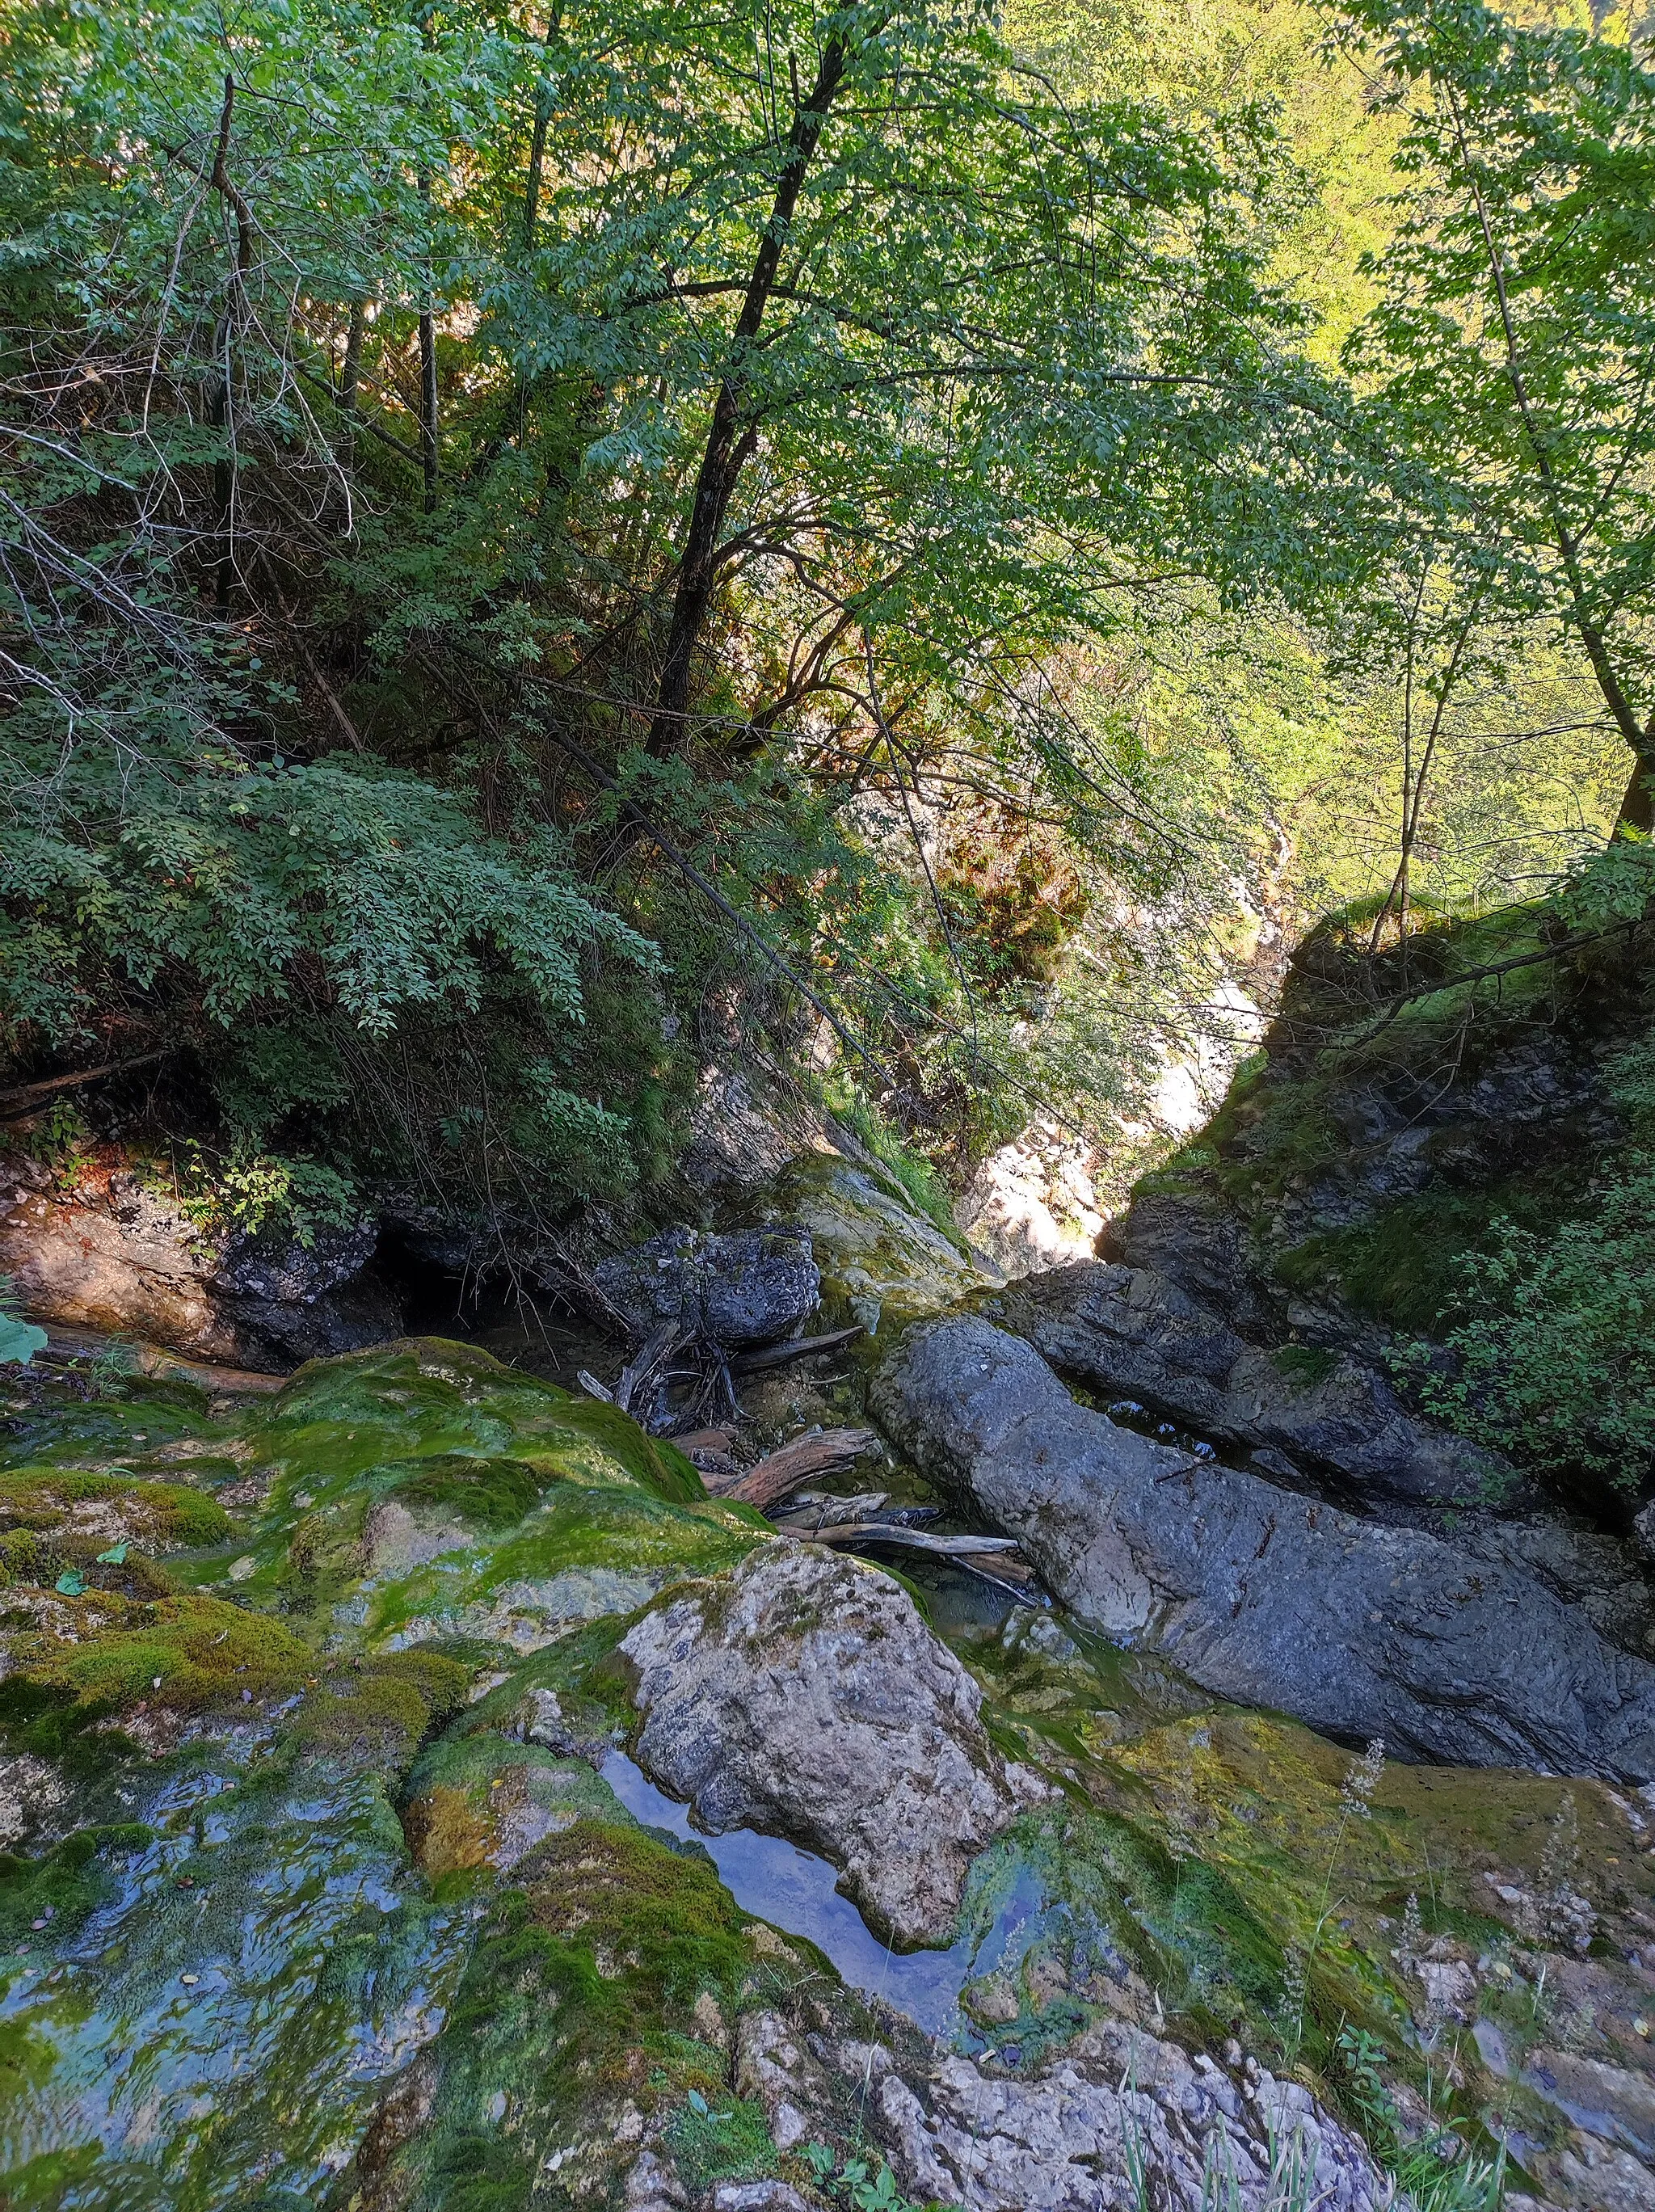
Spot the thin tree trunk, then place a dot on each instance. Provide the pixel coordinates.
(428, 403)
(225, 338)
(353, 365)
(1635, 806)
(428, 366)
(1638, 807)
(531, 194)
(537, 143)
(731, 441)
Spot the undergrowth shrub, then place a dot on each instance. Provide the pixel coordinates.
(1553, 1339)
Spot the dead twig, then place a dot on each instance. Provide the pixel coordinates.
(642, 1375)
(797, 1347)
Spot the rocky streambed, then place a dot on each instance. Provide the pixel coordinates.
(423, 1786)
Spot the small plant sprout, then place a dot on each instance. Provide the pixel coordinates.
(1362, 1779)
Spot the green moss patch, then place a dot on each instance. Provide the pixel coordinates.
(187, 1653)
(383, 1711)
(102, 1509)
(63, 1886)
(577, 2009)
(485, 1493)
(585, 1552)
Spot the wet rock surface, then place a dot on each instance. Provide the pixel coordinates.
(1261, 1594)
(806, 1695)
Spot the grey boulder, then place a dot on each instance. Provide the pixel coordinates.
(804, 1694)
(1260, 1594)
(1123, 2119)
(751, 1286)
(1133, 1333)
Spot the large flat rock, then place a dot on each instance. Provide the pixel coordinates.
(1262, 1594)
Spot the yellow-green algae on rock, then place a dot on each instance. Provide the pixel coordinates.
(220, 1948)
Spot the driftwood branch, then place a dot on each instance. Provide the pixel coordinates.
(773, 1477)
(14, 1103)
(854, 1533)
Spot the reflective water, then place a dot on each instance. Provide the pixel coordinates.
(795, 1891)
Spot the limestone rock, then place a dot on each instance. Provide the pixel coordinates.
(1193, 1242)
(755, 2196)
(804, 1694)
(743, 1131)
(108, 1252)
(749, 1287)
(882, 1261)
(771, 2066)
(1262, 1594)
(1071, 2138)
(1031, 1203)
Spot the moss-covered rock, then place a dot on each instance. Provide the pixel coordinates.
(325, 1901)
(187, 1653)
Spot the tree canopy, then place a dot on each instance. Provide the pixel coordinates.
(533, 538)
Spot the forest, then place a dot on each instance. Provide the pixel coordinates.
(538, 552)
(827, 1106)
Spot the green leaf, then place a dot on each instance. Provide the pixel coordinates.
(19, 1340)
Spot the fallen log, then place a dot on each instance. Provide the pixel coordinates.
(695, 1440)
(853, 1533)
(772, 1477)
(803, 1514)
(795, 1347)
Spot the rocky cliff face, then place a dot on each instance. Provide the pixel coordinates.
(1399, 1103)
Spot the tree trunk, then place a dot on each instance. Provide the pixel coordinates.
(353, 366)
(225, 338)
(428, 403)
(730, 441)
(1638, 807)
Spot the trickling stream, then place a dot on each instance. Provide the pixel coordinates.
(796, 1892)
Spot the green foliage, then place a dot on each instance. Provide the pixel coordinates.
(248, 1191)
(1510, 348)
(855, 2181)
(724, 2137)
(1552, 1335)
(297, 736)
(1433, 2168)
